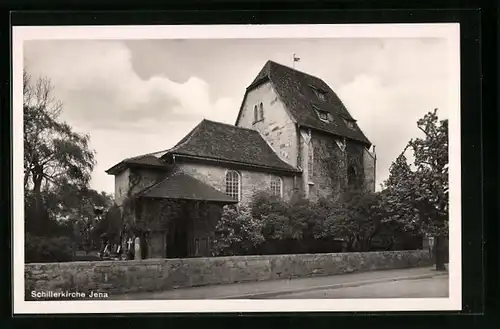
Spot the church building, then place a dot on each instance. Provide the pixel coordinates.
(293, 137)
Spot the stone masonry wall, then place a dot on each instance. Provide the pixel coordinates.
(251, 181)
(135, 179)
(116, 277)
(369, 164)
(355, 159)
(121, 186)
(277, 127)
(329, 174)
(331, 163)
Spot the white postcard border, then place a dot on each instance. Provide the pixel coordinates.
(448, 31)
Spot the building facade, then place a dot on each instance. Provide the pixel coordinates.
(293, 138)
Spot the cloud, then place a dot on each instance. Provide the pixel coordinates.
(124, 114)
(101, 89)
(406, 79)
(141, 96)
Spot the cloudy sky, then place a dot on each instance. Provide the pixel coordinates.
(139, 96)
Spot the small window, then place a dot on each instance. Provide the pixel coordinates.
(233, 184)
(258, 113)
(277, 186)
(310, 162)
(324, 115)
(349, 124)
(320, 95)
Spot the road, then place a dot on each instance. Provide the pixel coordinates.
(404, 283)
(424, 288)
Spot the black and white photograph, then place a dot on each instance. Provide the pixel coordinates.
(237, 168)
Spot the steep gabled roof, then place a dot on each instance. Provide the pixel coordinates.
(219, 141)
(214, 141)
(296, 91)
(185, 187)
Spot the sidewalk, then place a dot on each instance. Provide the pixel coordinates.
(266, 289)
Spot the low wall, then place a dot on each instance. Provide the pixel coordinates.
(115, 277)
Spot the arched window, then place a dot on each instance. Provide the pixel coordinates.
(310, 161)
(233, 184)
(277, 186)
(255, 114)
(261, 111)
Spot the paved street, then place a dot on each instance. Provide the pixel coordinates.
(424, 288)
(406, 283)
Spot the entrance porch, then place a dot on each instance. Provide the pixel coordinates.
(178, 217)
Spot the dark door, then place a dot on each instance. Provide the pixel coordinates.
(177, 242)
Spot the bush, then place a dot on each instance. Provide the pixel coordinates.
(47, 249)
(263, 204)
(281, 220)
(237, 232)
(354, 222)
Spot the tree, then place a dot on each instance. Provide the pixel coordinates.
(281, 220)
(53, 153)
(237, 232)
(418, 196)
(356, 219)
(110, 225)
(78, 210)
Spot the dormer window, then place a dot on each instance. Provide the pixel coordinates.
(321, 94)
(349, 123)
(324, 116)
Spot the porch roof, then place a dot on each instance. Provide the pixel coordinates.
(185, 187)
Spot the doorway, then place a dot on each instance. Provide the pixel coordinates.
(176, 243)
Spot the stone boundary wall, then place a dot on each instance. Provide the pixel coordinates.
(117, 277)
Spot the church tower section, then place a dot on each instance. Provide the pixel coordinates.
(263, 110)
(308, 126)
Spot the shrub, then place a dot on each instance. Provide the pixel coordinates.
(353, 222)
(281, 220)
(237, 232)
(47, 249)
(263, 204)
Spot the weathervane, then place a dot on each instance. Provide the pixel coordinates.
(295, 59)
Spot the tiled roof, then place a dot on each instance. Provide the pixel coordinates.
(295, 89)
(145, 160)
(183, 186)
(220, 141)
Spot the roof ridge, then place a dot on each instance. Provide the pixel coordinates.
(152, 153)
(280, 76)
(290, 167)
(294, 69)
(189, 136)
(231, 125)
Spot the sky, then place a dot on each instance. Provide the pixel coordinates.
(139, 96)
